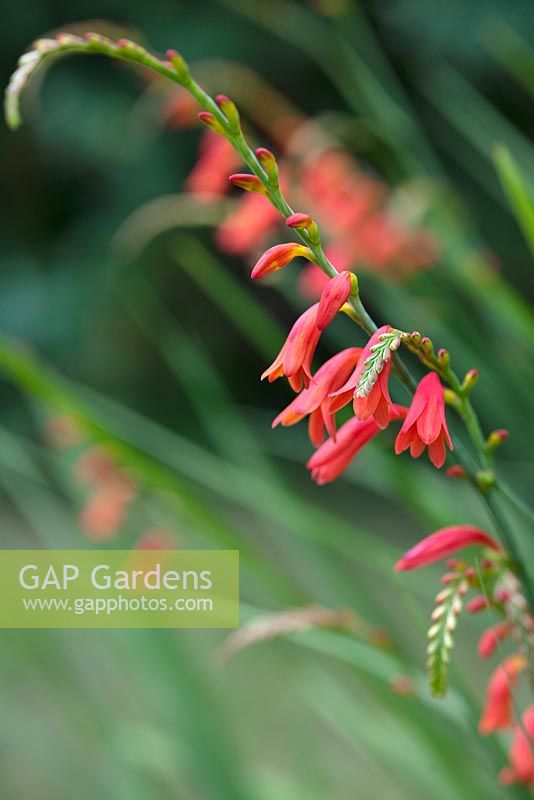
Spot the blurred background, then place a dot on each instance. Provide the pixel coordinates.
(133, 415)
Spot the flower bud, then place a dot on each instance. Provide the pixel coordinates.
(208, 119)
(250, 183)
(456, 471)
(477, 604)
(495, 439)
(268, 162)
(179, 64)
(470, 381)
(444, 358)
(278, 256)
(485, 479)
(229, 109)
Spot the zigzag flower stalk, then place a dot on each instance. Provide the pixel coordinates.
(363, 379)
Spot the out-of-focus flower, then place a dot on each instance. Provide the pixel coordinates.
(477, 604)
(374, 402)
(521, 755)
(425, 424)
(62, 431)
(443, 543)
(312, 281)
(253, 220)
(179, 110)
(295, 358)
(315, 399)
(156, 539)
(333, 457)
(334, 295)
(209, 176)
(105, 512)
(491, 637)
(498, 710)
(279, 256)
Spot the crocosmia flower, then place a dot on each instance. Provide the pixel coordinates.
(491, 638)
(443, 543)
(368, 385)
(334, 295)
(295, 358)
(498, 711)
(334, 456)
(425, 424)
(521, 755)
(277, 257)
(315, 401)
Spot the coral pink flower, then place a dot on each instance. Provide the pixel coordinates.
(252, 222)
(295, 357)
(333, 457)
(377, 402)
(498, 709)
(334, 295)
(479, 603)
(314, 400)
(491, 637)
(209, 176)
(521, 755)
(442, 543)
(277, 257)
(425, 424)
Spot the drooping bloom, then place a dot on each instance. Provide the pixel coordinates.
(498, 709)
(333, 457)
(491, 637)
(373, 400)
(521, 755)
(315, 399)
(278, 256)
(295, 358)
(425, 424)
(443, 543)
(334, 295)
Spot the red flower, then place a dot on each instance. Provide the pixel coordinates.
(425, 423)
(334, 456)
(521, 755)
(373, 400)
(209, 176)
(491, 637)
(442, 543)
(498, 710)
(277, 257)
(479, 603)
(315, 401)
(251, 222)
(334, 295)
(295, 357)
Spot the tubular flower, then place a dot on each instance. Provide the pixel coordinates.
(521, 755)
(314, 400)
(295, 357)
(491, 637)
(277, 257)
(442, 543)
(374, 401)
(334, 456)
(334, 295)
(425, 424)
(498, 710)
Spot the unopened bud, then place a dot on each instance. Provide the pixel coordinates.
(250, 183)
(477, 604)
(470, 381)
(301, 221)
(179, 64)
(444, 358)
(495, 439)
(456, 471)
(229, 109)
(208, 119)
(485, 479)
(268, 162)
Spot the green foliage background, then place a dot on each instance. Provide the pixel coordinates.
(156, 358)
